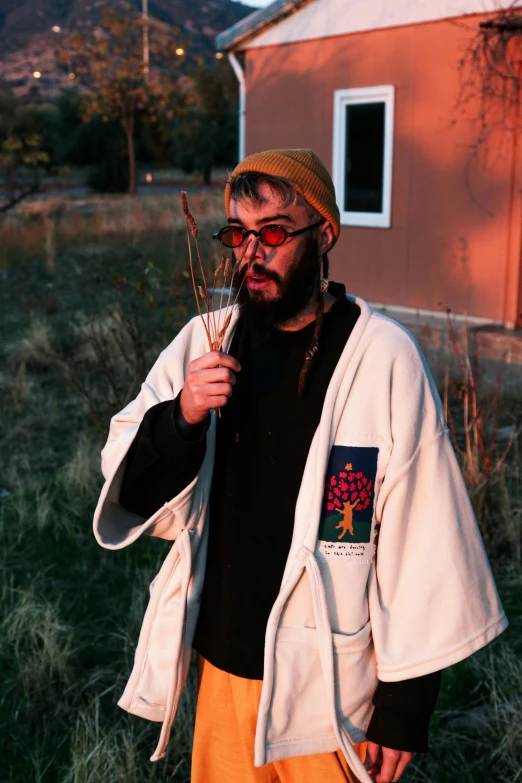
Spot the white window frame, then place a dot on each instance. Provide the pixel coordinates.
(343, 98)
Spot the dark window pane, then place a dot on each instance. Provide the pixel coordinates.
(364, 157)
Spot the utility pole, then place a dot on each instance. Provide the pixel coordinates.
(145, 17)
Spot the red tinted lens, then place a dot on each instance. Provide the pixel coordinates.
(231, 237)
(272, 235)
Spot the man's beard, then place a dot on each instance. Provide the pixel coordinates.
(295, 290)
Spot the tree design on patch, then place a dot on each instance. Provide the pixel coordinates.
(346, 492)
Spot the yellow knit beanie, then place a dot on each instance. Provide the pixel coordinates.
(305, 170)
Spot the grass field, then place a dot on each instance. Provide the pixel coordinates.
(78, 335)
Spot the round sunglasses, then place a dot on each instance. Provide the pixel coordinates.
(271, 235)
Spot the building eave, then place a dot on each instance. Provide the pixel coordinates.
(241, 32)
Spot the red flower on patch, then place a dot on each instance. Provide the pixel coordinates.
(342, 474)
(358, 475)
(343, 485)
(330, 506)
(337, 491)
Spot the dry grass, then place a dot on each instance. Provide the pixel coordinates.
(34, 635)
(70, 612)
(476, 734)
(487, 454)
(53, 225)
(114, 753)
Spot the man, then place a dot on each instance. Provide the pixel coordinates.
(327, 564)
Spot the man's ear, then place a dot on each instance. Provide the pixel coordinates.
(326, 238)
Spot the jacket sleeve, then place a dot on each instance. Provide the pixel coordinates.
(432, 596)
(402, 713)
(165, 457)
(114, 526)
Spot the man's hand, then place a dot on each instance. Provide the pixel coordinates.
(208, 385)
(386, 765)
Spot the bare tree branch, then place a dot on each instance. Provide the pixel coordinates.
(14, 201)
(490, 72)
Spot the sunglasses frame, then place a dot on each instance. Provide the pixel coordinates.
(257, 234)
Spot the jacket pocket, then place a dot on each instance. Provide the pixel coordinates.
(301, 707)
(355, 671)
(162, 661)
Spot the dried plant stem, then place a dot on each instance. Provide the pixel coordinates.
(226, 270)
(474, 429)
(228, 313)
(221, 269)
(194, 285)
(205, 296)
(230, 288)
(215, 330)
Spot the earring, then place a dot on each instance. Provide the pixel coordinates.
(323, 281)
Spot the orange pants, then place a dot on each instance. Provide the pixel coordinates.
(223, 751)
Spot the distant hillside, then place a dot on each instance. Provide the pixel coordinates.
(28, 43)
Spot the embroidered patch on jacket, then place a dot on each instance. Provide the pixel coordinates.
(347, 509)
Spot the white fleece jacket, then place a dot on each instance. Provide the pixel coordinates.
(387, 576)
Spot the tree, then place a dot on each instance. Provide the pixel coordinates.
(98, 144)
(20, 140)
(118, 87)
(207, 135)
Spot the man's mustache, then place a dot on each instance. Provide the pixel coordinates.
(259, 271)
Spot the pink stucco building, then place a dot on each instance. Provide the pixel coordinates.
(372, 87)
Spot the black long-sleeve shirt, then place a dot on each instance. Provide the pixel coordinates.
(263, 439)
